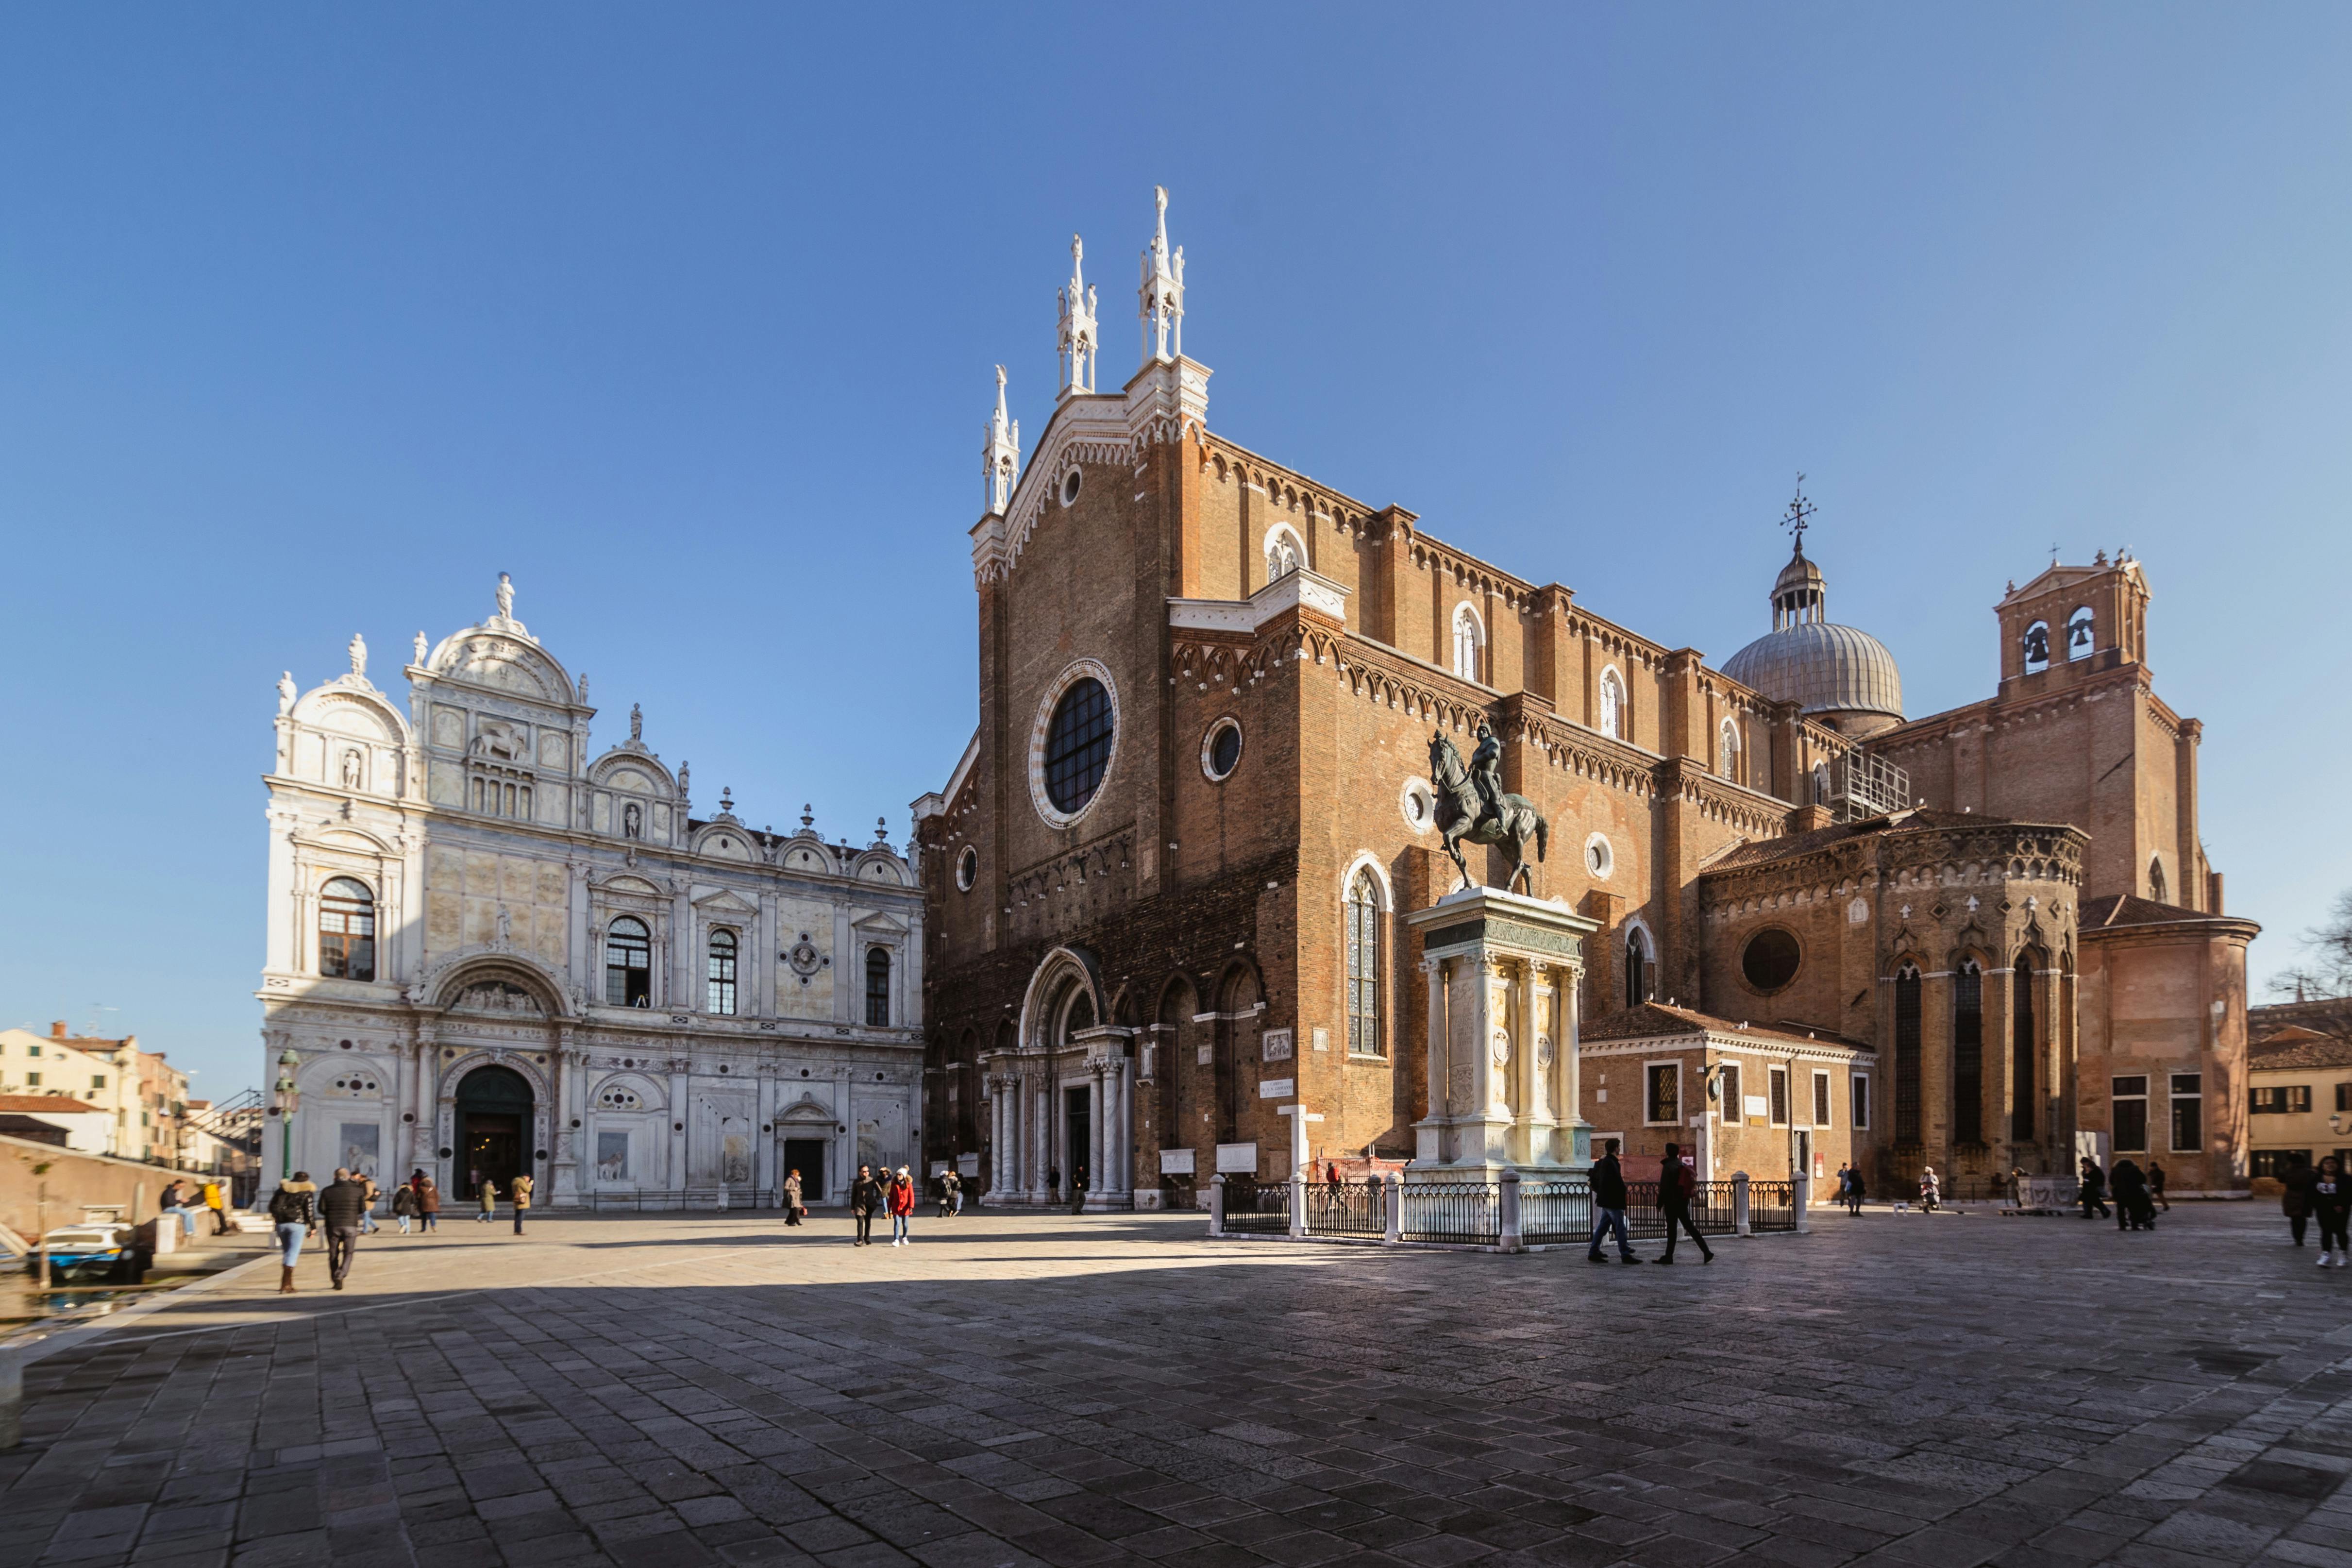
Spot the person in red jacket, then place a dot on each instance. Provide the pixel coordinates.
(901, 1200)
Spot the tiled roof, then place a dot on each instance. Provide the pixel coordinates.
(2277, 1056)
(2130, 909)
(1766, 850)
(1657, 1020)
(47, 1104)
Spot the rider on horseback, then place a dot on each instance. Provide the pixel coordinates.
(1487, 774)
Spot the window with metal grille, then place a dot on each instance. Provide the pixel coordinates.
(722, 973)
(878, 986)
(1967, 1054)
(1364, 966)
(1821, 1099)
(1777, 1080)
(1859, 1118)
(1077, 745)
(628, 964)
(1665, 1083)
(1734, 1110)
(1907, 1054)
(347, 931)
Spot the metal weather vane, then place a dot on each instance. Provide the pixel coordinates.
(1800, 516)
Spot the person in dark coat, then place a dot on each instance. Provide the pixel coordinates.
(2156, 1185)
(2095, 1190)
(2331, 1202)
(794, 1207)
(1677, 1184)
(864, 1197)
(2133, 1210)
(951, 1188)
(428, 1201)
(2294, 1195)
(1608, 1199)
(406, 1207)
(340, 1207)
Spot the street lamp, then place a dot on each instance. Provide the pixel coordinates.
(287, 1097)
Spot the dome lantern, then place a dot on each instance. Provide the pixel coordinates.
(1842, 676)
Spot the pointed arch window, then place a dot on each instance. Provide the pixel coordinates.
(1728, 751)
(720, 976)
(1907, 1073)
(1364, 966)
(1284, 554)
(2156, 880)
(628, 963)
(347, 930)
(2081, 633)
(1967, 1053)
(1469, 643)
(1637, 967)
(2022, 1051)
(1612, 704)
(878, 986)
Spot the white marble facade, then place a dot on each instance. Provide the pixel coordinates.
(506, 866)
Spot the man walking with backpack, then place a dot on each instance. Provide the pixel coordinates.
(1609, 1207)
(1677, 1184)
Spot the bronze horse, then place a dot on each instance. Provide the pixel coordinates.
(1458, 810)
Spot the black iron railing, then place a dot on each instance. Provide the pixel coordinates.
(1553, 1213)
(684, 1198)
(1257, 1209)
(1346, 1208)
(1771, 1206)
(1453, 1210)
(1710, 1209)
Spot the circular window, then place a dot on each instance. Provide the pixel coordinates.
(1070, 483)
(967, 869)
(1770, 960)
(1221, 750)
(1071, 745)
(1419, 806)
(1599, 857)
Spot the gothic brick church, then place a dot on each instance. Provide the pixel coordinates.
(1173, 883)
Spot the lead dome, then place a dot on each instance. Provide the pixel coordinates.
(1842, 675)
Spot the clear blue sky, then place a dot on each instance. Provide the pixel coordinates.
(312, 322)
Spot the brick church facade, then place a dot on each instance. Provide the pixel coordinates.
(1168, 884)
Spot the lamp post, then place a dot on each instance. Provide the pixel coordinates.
(287, 1097)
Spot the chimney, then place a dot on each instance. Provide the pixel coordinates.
(58, 1030)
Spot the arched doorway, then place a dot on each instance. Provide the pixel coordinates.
(494, 1127)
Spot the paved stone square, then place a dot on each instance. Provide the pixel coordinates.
(697, 1389)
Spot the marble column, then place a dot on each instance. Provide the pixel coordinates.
(1097, 1176)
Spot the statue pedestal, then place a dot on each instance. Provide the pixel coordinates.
(1503, 1090)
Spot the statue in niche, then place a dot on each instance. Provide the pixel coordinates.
(506, 597)
(351, 770)
(506, 926)
(285, 692)
(632, 821)
(358, 650)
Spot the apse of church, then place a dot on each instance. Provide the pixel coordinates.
(1177, 881)
(493, 948)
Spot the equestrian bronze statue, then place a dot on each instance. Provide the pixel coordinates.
(1471, 808)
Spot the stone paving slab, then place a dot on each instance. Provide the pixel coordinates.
(1040, 1389)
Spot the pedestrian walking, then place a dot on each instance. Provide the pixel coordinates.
(368, 1225)
(793, 1209)
(902, 1206)
(487, 1191)
(864, 1197)
(1608, 1184)
(294, 1212)
(2295, 1195)
(2156, 1185)
(951, 1189)
(955, 1195)
(1854, 1191)
(341, 1205)
(519, 1190)
(405, 1205)
(1053, 1182)
(2133, 1210)
(1677, 1184)
(2094, 1191)
(2331, 1201)
(428, 1203)
(217, 1200)
(1078, 1191)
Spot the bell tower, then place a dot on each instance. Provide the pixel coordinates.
(2073, 621)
